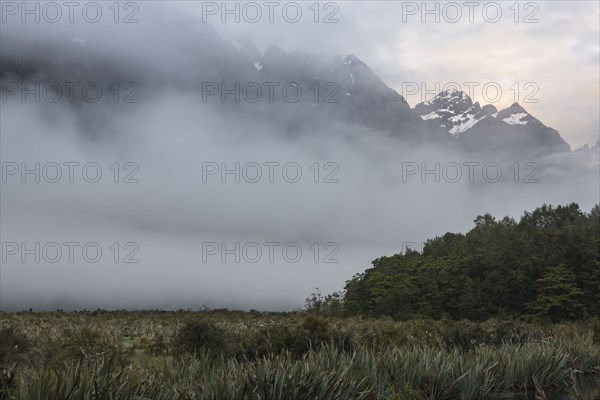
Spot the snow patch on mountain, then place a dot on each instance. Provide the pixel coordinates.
(516, 119)
(445, 96)
(431, 115)
(455, 111)
(466, 123)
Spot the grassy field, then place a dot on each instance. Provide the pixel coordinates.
(235, 355)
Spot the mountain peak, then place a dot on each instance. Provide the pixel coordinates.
(515, 115)
(350, 59)
(585, 147)
(516, 108)
(590, 153)
(489, 109)
(453, 109)
(450, 95)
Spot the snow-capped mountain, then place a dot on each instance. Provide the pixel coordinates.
(336, 90)
(453, 110)
(487, 129)
(349, 91)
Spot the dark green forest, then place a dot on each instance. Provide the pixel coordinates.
(544, 266)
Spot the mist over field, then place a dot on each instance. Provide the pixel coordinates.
(344, 182)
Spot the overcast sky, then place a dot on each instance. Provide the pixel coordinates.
(559, 53)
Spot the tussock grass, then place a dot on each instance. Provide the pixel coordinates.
(285, 356)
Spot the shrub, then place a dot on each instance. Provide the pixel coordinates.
(198, 334)
(12, 345)
(276, 339)
(464, 335)
(316, 326)
(85, 344)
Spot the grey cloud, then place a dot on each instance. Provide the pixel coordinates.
(170, 212)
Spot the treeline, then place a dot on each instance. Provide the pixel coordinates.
(546, 265)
